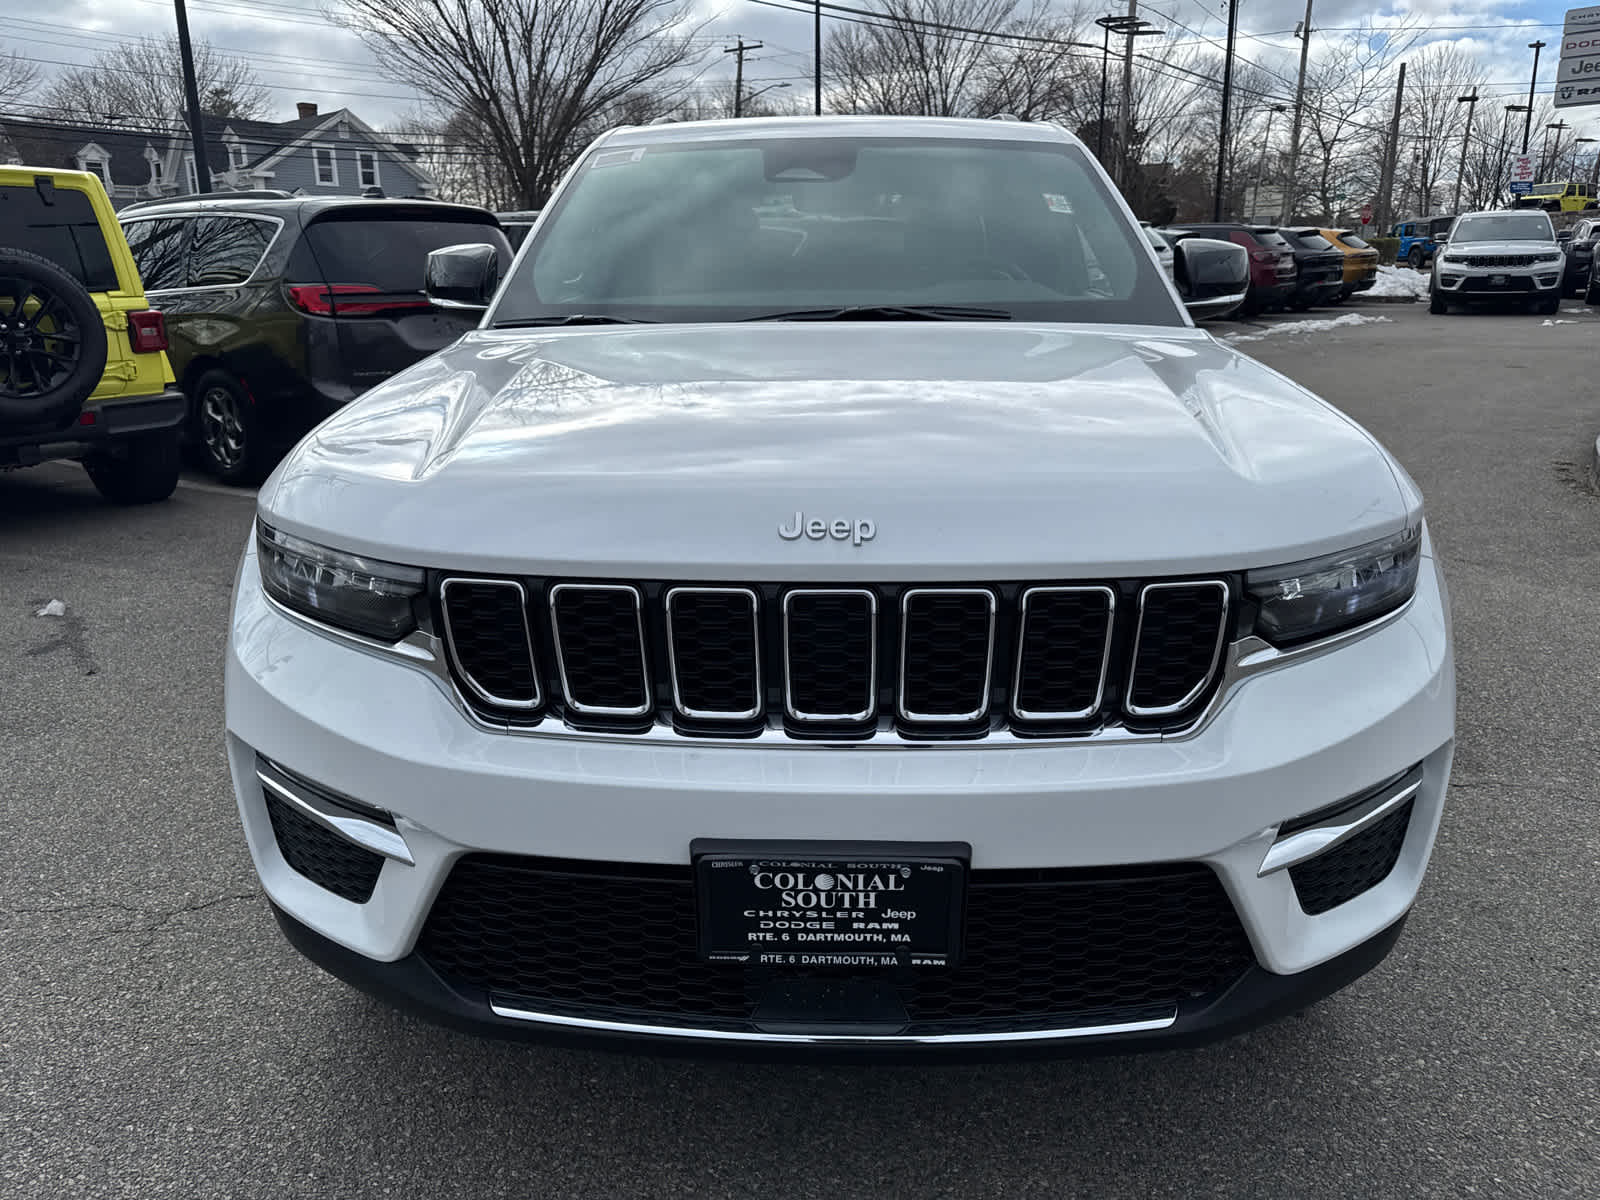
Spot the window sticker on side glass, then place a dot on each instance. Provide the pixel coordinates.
(615, 158)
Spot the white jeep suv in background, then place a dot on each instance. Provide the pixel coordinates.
(837, 600)
(1499, 256)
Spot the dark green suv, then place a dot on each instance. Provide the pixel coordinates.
(281, 311)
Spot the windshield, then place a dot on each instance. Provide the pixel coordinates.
(1503, 227)
(762, 227)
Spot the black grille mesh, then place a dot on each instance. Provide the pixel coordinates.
(489, 636)
(831, 648)
(715, 651)
(602, 658)
(1041, 947)
(1363, 862)
(1177, 642)
(1063, 651)
(322, 857)
(946, 658)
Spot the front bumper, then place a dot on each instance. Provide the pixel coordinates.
(1485, 283)
(1287, 742)
(98, 425)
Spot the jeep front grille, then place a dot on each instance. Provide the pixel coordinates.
(927, 662)
(1499, 260)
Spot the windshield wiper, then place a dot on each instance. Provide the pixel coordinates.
(889, 312)
(574, 319)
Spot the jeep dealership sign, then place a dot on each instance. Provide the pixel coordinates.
(1578, 72)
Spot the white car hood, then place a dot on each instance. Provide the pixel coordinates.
(976, 451)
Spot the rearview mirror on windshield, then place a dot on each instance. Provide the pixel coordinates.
(465, 276)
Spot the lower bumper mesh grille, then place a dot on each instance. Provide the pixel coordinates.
(1043, 949)
(324, 858)
(1356, 866)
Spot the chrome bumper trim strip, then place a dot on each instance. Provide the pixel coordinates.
(346, 823)
(829, 1039)
(1305, 844)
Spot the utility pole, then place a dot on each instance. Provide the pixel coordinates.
(1527, 122)
(1471, 102)
(1390, 155)
(739, 52)
(1125, 109)
(1227, 101)
(1290, 183)
(191, 96)
(816, 57)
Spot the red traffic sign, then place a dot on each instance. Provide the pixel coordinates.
(1366, 214)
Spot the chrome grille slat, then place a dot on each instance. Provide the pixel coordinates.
(802, 659)
(632, 653)
(1152, 598)
(1037, 602)
(469, 660)
(679, 604)
(913, 630)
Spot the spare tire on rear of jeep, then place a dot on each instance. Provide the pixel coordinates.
(52, 343)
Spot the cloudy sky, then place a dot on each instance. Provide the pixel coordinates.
(300, 54)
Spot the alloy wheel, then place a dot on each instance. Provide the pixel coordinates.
(40, 343)
(222, 426)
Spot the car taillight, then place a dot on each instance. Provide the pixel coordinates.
(147, 331)
(1263, 256)
(333, 299)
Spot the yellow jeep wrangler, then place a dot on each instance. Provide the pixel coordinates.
(83, 364)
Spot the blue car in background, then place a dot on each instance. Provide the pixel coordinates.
(1419, 239)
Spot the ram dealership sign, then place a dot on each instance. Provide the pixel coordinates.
(1578, 73)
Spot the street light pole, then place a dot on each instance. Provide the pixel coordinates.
(1527, 124)
(1471, 102)
(1261, 167)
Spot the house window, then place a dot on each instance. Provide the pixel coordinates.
(155, 170)
(190, 174)
(327, 166)
(235, 156)
(367, 162)
(97, 166)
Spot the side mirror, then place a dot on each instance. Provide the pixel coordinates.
(1212, 276)
(1564, 236)
(464, 276)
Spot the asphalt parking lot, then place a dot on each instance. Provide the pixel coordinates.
(158, 1038)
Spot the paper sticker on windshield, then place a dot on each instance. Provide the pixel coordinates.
(1056, 203)
(615, 158)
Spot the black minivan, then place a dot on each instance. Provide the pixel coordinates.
(279, 311)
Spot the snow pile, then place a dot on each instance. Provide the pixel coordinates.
(1314, 326)
(1558, 322)
(1399, 281)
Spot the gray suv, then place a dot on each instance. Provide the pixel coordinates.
(1507, 256)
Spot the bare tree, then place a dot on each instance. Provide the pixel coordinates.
(140, 81)
(535, 79)
(1435, 121)
(914, 59)
(18, 78)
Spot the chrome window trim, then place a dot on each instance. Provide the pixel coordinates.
(197, 214)
(1129, 699)
(988, 659)
(1017, 710)
(700, 714)
(527, 633)
(515, 1013)
(1305, 844)
(871, 710)
(355, 828)
(601, 710)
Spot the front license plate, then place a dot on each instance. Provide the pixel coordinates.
(1497, 281)
(822, 905)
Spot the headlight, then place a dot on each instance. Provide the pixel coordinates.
(1555, 257)
(1451, 256)
(360, 594)
(1312, 599)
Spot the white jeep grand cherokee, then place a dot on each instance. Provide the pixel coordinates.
(838, 600)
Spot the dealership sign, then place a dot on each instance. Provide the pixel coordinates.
(1578, 73)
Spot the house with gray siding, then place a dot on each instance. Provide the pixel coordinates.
(316, 154)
